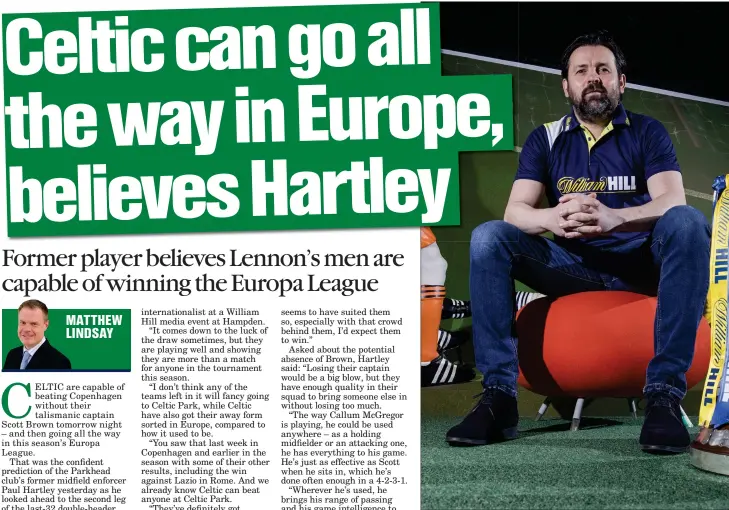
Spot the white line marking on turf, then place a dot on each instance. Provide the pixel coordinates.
(698, 194)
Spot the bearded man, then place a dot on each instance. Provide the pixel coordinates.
(619, 219)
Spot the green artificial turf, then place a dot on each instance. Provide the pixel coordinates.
(550, 467)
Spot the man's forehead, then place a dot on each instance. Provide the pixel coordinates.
(590, 55)
(31, 314)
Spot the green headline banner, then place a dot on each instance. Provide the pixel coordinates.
(216, 120)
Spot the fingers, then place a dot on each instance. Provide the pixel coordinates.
(584, 231)
(570, 224)
(589, 229)
(574, 207)
(573, 196)
(590, 200)
(582, 217)
(577, 214)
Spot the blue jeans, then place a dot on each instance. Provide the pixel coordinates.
(672, 263)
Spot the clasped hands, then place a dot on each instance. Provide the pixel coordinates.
(581, 215)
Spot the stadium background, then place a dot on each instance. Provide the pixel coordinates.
(604, 456)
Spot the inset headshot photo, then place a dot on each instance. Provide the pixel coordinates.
(36, 338)
(35, 351)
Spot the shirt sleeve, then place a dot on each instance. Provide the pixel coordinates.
(533, 157)
(660, 155)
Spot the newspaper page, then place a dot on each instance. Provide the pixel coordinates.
(211, 277)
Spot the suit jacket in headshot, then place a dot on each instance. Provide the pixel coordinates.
(46, 357)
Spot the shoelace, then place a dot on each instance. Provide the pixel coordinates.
(666, 402)
(486, 397)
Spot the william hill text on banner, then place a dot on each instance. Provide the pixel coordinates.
(715, 402)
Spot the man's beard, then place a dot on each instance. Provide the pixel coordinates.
(596, 108)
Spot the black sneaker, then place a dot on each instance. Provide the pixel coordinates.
(452, 339)
(494, 419)
(663, 430)
(455, 309)
(442, 371)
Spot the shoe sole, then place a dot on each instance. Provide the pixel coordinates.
(663, 449)
(507, 435)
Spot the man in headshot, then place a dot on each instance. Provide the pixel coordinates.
(36, 353)
(618, 214)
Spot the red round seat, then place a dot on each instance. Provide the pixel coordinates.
(594, 344)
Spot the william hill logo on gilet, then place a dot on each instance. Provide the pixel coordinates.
(617, 183)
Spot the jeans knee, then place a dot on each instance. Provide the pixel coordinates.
(687, 226)
(492, 231)
(683, 216)
(488, 238)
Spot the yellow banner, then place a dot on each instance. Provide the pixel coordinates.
(717, 306)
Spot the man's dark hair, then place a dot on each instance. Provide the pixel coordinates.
(601, 38)
(34, 304)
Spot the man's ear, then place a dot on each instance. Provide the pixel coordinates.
(564, 88)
